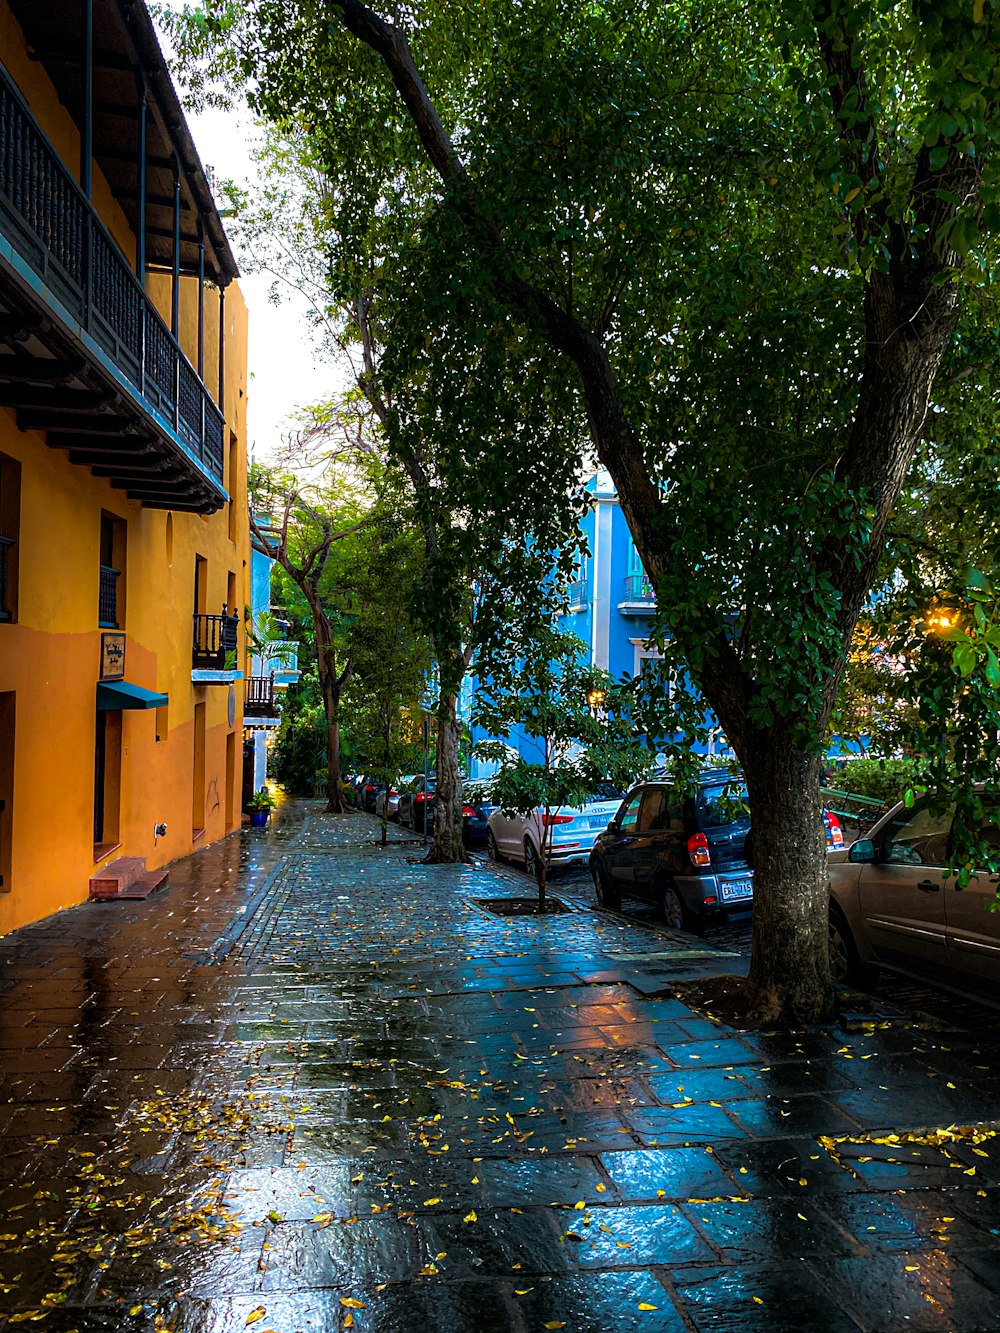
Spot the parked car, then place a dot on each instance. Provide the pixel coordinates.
(416, 805)
(892, 905)
(574, 828)
(477, 807)
(688, 853)
(367, 791)
(389, 796)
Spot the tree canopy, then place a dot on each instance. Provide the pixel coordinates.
(735, 244)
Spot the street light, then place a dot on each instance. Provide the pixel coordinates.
(595, 698)
(940, 619)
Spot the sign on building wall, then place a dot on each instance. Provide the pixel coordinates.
(113, 656)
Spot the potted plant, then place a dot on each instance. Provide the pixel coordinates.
(260, 805)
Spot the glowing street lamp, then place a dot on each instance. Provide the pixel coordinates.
(595, 698)
(940, 619)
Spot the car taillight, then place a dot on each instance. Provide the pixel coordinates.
(834, 833)
(468, 812)
(557, 819)
(698, 850)
(421, 796)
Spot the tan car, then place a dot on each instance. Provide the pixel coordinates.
(892, 903)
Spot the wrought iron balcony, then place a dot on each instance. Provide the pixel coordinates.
(107, 606)
(578, 593)
(96, 367)
(259, 700)
(5, 545)
(282, 660)
(639, 589)
(215, 642)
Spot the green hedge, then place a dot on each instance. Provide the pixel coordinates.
(884, 779)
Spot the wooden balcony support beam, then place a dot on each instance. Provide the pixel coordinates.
(37, 370)
(55, 399)
(77, 423)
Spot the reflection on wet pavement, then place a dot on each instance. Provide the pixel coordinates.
(312, 1086)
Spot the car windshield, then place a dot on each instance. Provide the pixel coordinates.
(604, 791)
(723, 803)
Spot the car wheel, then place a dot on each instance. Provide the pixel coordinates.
(606, 895)
(675, 913)
(492, 850)
(531, 862)
(846, 964)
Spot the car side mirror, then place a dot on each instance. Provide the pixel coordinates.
(862, 852)
(612, 827)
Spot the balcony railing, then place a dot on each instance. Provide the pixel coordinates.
(5, 612)
(282, 658)
(259, 700)
(578, 593)
(107, 605)
(59, 235)
(215, 642)
(639, 589)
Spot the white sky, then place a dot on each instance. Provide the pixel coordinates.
(285, 370)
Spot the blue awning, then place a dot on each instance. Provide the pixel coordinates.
(123, 694)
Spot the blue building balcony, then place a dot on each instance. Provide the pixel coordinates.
(578, 593)
(282, 661)
(85, 357)
(639, 597)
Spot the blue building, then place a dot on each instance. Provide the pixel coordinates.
(272, 669)
(612, 605)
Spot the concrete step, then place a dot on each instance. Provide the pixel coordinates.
(126, 878)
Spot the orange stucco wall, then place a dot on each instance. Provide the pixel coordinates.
(50, 658)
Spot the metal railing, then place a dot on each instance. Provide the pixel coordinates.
(259, 699)
(58, 233)
(5, 612)
(282, 657)
(215, 642)
(638, 588)
(578, 593)
(107, 602)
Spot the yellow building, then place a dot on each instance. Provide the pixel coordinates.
(123, 533)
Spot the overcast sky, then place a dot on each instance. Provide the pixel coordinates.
(285, 372)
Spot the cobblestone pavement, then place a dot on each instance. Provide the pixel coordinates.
(314, 1086)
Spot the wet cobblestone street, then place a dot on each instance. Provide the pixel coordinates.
(313, 1086)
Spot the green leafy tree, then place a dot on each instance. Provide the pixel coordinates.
(746, 237)
(579, 720)
(309, 534)
(390, 657)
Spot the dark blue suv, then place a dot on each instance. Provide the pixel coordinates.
(683, 852)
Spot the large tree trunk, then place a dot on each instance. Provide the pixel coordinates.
(448, 847)
(789, 979)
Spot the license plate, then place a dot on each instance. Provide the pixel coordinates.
(735, 890)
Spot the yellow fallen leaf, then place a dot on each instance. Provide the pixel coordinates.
(600, 1188)
(255, 1315)
(555, 1323)
(758, 1301)
(645, 1305)
(580, 1206)
(429, 1202)
(136, 1309)
(470, 1217)
(348, 1320)
(522, 1291)
(352, 1303)
(323, 1219)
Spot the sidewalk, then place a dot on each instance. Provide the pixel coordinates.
(311, 1086)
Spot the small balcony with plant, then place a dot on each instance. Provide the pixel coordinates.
(214, 655)
(639, 597)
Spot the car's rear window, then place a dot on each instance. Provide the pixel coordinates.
(724, 803)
